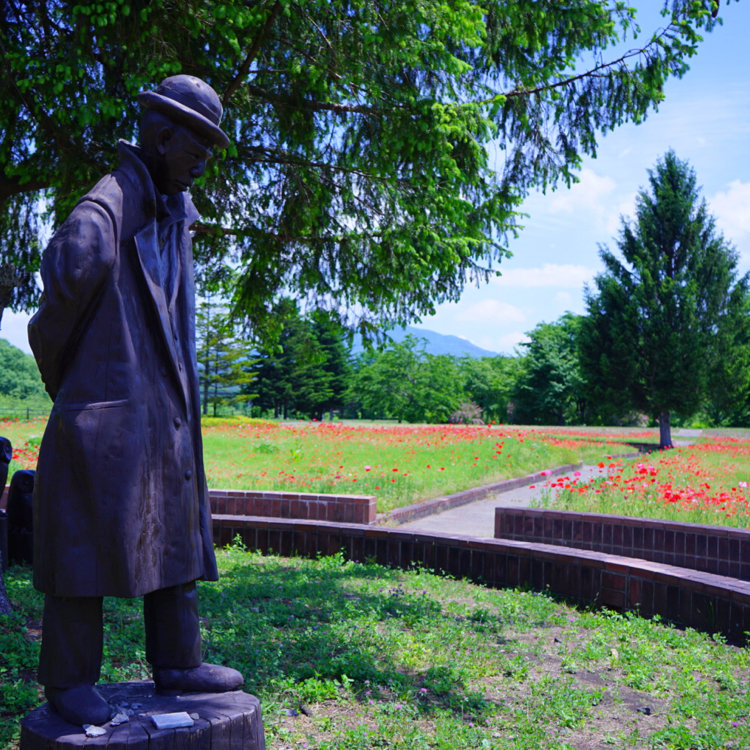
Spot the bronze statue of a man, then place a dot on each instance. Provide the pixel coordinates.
(121, 505)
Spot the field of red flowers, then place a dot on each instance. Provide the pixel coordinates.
(25, 437)
(702, 483)
(402, 464)
(399, 464)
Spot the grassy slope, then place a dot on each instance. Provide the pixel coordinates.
(355, 656)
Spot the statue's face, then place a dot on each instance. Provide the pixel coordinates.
(181, 158)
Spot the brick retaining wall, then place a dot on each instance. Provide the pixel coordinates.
(688, 598)
(342, 508)
(303, 505)
(712, 549)
(697, 598)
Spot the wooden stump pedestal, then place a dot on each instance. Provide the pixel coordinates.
(226, 721)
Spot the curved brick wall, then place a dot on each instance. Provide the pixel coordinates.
(305, 505)
(713, 549)
(344, 508)
(693, 599)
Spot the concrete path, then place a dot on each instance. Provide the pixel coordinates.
(477, 519)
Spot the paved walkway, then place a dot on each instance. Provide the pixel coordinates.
(477, 519)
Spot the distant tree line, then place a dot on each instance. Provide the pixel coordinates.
(21, 388)
(312, 374)
(666, 337)
(548, 381)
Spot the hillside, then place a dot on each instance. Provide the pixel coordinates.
(435, 343)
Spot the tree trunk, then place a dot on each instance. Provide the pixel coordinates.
(8, 281)
(665, 431)
(206, 386)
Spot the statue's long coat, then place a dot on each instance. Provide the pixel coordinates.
(120, 503)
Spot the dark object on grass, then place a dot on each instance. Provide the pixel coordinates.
(4, 601)
(21, 518)
(6, 454)
(3, 540)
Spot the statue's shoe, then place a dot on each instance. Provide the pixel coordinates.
(82, 704)
(207, 678)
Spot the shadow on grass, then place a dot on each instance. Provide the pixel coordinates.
(301, 632)
(310, 630)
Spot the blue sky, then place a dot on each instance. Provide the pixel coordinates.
(705, 118)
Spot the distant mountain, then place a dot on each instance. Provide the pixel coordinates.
(435, 343)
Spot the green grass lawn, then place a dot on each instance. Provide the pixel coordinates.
(398, 464)
(356, 656)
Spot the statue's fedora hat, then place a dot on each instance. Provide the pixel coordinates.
(191, 102)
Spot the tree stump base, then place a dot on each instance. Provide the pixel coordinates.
(225, 721)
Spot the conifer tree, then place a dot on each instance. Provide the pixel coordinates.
(305, 372)
(225, 359)
(380, 150)
(664, 319)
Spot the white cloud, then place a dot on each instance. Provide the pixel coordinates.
(510, 341)
(732, 210)
(13, 329)
(613, 220)
(484, 341)
(507, 343)
(564, 298)
(550, 274)
(491, 311)
(585, 195)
